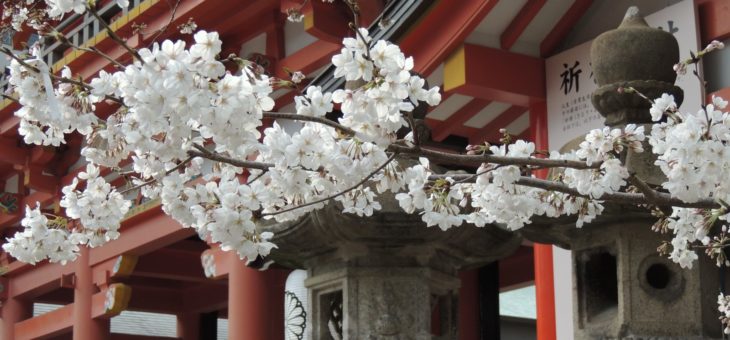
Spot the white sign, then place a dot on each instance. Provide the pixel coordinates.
(570, 81)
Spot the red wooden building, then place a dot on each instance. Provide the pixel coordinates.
(488, 56)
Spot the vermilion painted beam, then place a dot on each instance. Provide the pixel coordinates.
(285, 5)
(171, 264)
(713, 21)
(50, 324)
(11, 153)
(458, 119)
(490, 132)
(36, 179)
(328, 21)
(9, 125)
(441, 30)
(60, 321)
(275, 39)
(493, 74)
(563, 27)
(150, 231)
(205, 298)
(519, 23)
(241, 12)
(32, 200)
(30, 281)
(259, 20)
(156, 299)
(216, 263)
(174, 299)
(308, 59)
(142, 234)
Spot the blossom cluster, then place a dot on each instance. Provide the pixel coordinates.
(692, 153)
(176, 100)
(497, 197)
(99, 208)
(38, 241)
(180, 104)
(723, 306)
(17, 14)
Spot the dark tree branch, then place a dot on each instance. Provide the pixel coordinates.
(113, 35)
(475, 160)
(357, 185)
(661, 199)
(321, 120)
(228, 160)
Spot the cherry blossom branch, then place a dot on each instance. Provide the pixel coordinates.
(357, 185)
(661, 199)
(413, 126)
(444, 157)
(9, 53)
(460, 159)
(172, 18)
(92, 49)
(204, 153)
(651, 194)
(113, 35)
(320, 120)
(153, 180)
(10, 98)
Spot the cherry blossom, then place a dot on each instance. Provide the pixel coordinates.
(189, 130)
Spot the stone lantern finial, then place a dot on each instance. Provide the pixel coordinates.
(633, 16)
(633, 55)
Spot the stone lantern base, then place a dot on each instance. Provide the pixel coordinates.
(386, 276)
(625, 290)
(381, 302)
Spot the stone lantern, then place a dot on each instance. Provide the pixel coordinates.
(383, 277)
(623, 289)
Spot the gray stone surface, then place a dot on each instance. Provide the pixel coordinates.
(625, 290)
(633, 55)
(389, 270)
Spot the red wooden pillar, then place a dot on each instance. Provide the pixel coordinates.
(13, 310)
(469, 305)
(84, 326)
(188, 326)
(544, 283)
(248, 307)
